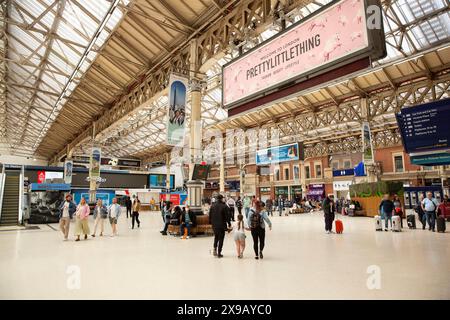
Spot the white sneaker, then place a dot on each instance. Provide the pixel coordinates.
(328, 232)
(65, 239)
(112, 236)
(181, 237)
(187, 237)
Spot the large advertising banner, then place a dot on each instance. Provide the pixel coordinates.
(176, 117)
(322, 41)
(367, 143)
(94, 168)
(288, 152)
(68, 171)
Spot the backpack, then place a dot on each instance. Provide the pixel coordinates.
(255, 220)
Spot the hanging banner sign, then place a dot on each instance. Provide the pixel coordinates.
(94, 167)
(367, 143)
(68, 171)
(176, 114)
(336, 35)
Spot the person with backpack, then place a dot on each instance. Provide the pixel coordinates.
(429, 206)
(256, 222)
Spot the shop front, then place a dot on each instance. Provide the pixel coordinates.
(282, 191)
(342, 189)
(316, 192)
(296, 193)
(264, 193)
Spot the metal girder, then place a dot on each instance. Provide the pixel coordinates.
(211, 41)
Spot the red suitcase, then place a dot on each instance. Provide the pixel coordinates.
(339, 226)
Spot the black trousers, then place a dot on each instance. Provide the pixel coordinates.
(135, 217)
(329, 218)
(259, 236)
(231, 211)
(129, 210)
(239, 210)
(219, 235)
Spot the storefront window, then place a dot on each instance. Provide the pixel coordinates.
(347, 164)
(398, 163)
(277, 174)
(286, 174)
(335, 165)
(318, 171)
(307, 172)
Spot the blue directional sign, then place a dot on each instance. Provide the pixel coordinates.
(425, 127)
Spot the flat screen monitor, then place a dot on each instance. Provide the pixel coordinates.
(200, 172)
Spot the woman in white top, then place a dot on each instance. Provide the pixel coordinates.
(239, 236)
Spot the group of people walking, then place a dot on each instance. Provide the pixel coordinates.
(69, 209)
(255, 222)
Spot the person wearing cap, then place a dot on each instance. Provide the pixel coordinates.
(218, 218)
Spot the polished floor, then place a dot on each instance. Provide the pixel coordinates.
(300, 262)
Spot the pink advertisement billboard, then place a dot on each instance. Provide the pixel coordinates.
(338, 31)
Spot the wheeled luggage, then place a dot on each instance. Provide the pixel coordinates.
(396, 224)
(339, 226)
(411, 220)
(440, 224)
(378, 223)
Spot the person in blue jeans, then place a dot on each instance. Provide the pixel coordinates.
(429, 206)
(386, 209)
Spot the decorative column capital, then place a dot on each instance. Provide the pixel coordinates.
(195, 85)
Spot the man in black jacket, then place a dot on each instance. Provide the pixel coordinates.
(328, 210)
(128, 204)
(218, 218)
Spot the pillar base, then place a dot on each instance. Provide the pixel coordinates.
(195, 192)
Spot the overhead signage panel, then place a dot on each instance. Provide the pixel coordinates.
(425, 128)
(314, 45)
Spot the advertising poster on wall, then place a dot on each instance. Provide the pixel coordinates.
(68, 171)
(367, 143)
(288, 152)
(176, 115)
(336, 34)
(96, 155)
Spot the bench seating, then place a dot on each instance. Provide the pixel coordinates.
(202, 227)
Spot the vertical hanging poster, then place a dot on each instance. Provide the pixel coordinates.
(367, 143)
(176, 116)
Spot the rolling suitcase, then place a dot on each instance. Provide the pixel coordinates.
(339, 226)
(411, 220)
(378, 223)
(440, 224)
(396, 225)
